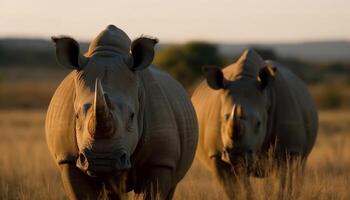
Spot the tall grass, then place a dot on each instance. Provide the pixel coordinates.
(28, 172)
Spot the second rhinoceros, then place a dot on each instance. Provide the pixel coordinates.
(117, 124)
(251, 111)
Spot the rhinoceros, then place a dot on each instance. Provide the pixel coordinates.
(116, 123)
(247, 109)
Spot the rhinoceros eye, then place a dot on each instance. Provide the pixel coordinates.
(257, 127)
(258, 124)
(227, 116)
(77, 122)
(77, 117)
(131, 118)
(130, 121)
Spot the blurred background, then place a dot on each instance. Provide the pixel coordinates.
(311, 38)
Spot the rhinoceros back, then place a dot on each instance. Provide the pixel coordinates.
(60, 122)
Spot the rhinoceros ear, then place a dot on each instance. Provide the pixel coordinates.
(215, 77)
(142, 50)
(266, 75)
(68, 52)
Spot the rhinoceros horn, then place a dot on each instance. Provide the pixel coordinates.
(231, 122)
(235, 123)
(101, 123)
(100, 105)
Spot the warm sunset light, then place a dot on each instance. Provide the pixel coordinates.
(175, 100)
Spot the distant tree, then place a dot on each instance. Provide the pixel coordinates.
(201, 53)
(338, 68)
(184, 62)
(2, 53)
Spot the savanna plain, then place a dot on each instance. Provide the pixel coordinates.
(28, 172)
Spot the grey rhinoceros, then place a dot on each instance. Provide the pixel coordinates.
(247, 110)
(116, 123)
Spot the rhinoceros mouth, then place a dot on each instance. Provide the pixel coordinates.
(249, 166)
(101, 164)
(244, 160)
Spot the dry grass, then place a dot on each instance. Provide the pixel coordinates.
(23, 88)
(27, 170)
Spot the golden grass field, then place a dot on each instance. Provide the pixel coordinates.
(28, 172)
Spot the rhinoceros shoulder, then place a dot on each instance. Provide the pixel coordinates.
(60, 123)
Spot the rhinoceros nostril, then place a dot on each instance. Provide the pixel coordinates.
(82, 158)
(123, 162)
(82, 162)
(250, 152)
(123, 159)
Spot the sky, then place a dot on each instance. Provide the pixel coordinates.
(181, 20)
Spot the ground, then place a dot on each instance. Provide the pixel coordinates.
(28, 172)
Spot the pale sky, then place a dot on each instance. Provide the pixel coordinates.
(181, 20)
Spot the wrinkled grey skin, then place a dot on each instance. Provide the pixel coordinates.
(245, 111)
(117, 124)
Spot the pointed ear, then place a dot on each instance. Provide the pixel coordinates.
(68, 52)
(266, 75)
(142, 50)
(215, 77)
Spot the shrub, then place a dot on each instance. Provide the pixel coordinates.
(184, 62)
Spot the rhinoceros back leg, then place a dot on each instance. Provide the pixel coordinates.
(78, 185)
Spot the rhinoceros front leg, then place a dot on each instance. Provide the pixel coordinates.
(235, 183)
(159, 184)
(78, 185)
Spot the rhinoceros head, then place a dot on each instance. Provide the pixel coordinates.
(108, 97)
(244, 105)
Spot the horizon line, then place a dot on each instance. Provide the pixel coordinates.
(301, 41)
